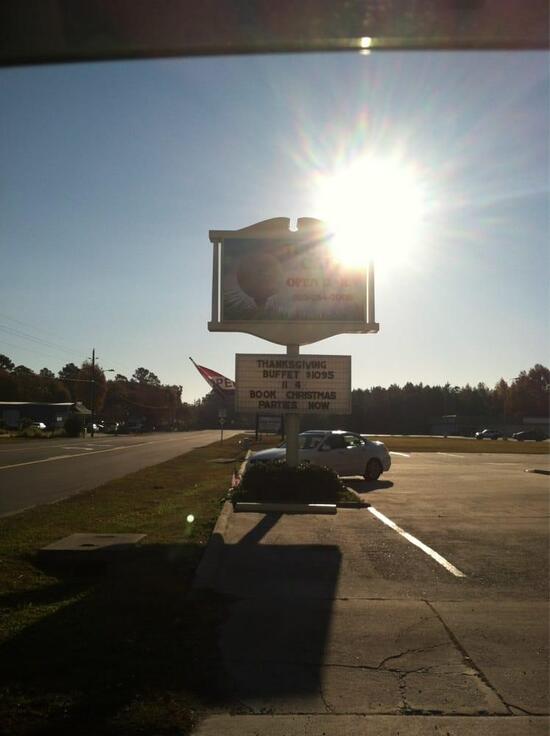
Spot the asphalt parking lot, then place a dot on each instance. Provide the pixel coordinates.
(432, 604)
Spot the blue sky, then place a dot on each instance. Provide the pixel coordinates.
(111, 176)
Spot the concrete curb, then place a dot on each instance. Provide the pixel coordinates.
(370, 725)
(207, 570)
(353, 505)
(359, 504)
(242, 467)
(284, 508)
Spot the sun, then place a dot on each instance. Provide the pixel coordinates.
(375, 208)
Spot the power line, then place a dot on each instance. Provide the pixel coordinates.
(65, 349)
(39, 328)
(37, 340)
(30, 350)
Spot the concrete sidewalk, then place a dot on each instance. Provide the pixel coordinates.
(343, 725)
(338, 625)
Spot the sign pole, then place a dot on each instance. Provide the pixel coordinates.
(222, 414)
(292, 424)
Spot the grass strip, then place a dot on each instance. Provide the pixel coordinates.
(123, 649)
(462, 445)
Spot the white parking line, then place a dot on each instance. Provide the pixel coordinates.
(450, 454)
(401, 454)
(413, 540)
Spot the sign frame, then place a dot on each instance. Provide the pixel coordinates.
(284, 332)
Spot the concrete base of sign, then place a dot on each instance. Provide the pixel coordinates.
(285, 508)
(88, 547)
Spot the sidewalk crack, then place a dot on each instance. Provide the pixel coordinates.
(467, 660)
(410, 651)
(523, 710)
(327, 706)
(405, 707)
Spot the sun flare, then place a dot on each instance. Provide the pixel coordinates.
(375, 209)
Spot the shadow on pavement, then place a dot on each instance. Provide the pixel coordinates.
(367, 486)
(274, 640)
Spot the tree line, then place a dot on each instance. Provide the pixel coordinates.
(415, 408)
(141, 398)
(407, 409)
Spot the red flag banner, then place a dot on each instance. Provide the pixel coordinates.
(220, 384)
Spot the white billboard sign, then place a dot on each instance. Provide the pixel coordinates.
(289, 287)
(278, 279)
(283, 384)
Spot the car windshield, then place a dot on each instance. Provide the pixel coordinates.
(307, 441)
(410, 587)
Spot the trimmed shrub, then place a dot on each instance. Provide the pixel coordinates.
(273, 482)
(32, 433)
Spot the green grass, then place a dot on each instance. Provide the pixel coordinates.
(119, 650)
(460, 445)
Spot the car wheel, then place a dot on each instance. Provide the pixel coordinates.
(373, 471)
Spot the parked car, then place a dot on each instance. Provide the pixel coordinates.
(111, 427)
(488, 434)
(530, 434)
(346, 453)
(37, 425)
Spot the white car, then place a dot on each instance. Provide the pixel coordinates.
(346, 453)
(37, 425)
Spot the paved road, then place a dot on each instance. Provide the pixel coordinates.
(34, 472)
(426, 614)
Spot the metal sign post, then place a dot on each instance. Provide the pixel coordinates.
(292, 422)
(222, 414)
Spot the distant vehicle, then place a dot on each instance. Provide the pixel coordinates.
(530, 434)
(37, 425)
(488, 434)
(131, 428)
(111, 427)
(95, 427)
(346, 453)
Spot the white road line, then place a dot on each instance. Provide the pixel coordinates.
(424, 547)
(80, 454)
(401, 454)
(450, 454)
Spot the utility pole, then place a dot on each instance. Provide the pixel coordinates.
(92, 398)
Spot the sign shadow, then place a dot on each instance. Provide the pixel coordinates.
(273, 641)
